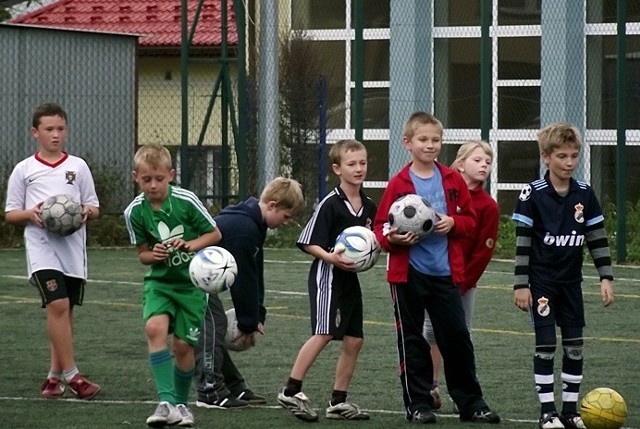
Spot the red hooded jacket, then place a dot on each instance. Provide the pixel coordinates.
(458, 207)
(478, 249)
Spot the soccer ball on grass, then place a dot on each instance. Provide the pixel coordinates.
(213, 269)
(61, 215)
(603, 408)
(412, 213)
(360, 246)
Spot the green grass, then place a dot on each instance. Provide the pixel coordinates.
(111, 349)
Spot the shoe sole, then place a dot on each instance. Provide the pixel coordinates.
(161, 424)
(334, 416)
(218, 407)
(298, 414)
(88, 397)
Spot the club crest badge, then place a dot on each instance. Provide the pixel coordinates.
(52, 285)
(525, 193)
(70, 177)
(543, 306)
(579, 214)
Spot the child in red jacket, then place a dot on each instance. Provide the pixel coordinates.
(473, 162)
(423, 272)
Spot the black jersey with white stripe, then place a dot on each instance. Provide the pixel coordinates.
(333, 214)
(552, 230)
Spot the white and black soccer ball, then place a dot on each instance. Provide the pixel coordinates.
(412, 213)
(360, 246)
(61, 215)
(213, 269)
(233, 332)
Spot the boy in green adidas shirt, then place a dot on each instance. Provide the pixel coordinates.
(168, 225)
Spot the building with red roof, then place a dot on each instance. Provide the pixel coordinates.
(158, 24)
(157, 21)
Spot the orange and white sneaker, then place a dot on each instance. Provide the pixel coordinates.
(52, 388)
(83, 388)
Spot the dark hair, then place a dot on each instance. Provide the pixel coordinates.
(47, 109)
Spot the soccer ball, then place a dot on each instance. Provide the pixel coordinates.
(61, 215)
(603, 408)
(233, 332)
(412, 213)
(360, 246)
(213, 269)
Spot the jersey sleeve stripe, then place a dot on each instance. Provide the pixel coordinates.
(518, 217)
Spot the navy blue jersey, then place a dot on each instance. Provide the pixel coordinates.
(560, 226)
(333, 214)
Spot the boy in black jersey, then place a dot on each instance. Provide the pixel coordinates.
(554, 217)
(334, 289)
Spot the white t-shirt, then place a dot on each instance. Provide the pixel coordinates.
(32, 181)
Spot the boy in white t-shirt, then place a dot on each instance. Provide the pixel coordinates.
(57, 265)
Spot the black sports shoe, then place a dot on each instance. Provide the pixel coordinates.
(420, 416)
(212, 401)
(572, 421)
(550, 420)
(251, 397)
(482, 415)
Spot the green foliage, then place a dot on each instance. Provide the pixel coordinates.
(283, 237)
(632, 230)
(506, 246)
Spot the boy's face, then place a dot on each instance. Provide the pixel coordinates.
(352, 168)
(562, 162)
(425, 144)
(154, 181)
(50, 133)
(275, 216)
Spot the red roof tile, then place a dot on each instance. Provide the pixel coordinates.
(158, 21)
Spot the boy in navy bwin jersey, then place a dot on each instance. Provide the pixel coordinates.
(334, 290)
(554, 216)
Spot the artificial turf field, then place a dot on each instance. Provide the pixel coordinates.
(111, 349)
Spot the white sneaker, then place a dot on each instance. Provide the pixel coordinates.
(550, 421)
(299, 405)
(165, 414)
(345, 411)
(187, 420)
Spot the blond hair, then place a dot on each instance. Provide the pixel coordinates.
(417, 119)
(344, 146)
(286, 193)
(558, 134)
(154, 155)
(467, 149)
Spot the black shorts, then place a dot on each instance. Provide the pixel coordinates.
(336, 302)
(557, 304)
(54, 285)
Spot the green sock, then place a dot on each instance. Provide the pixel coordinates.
(182, 380)
(162, 371)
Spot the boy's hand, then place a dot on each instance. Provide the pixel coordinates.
(522, 298)
(34, 215)
(244, 340)
(444, 225)
(179, 244)
(161, 251)
(337, 258)
(606, 292)
(402, 238)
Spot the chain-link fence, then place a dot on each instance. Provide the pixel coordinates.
(322, 70)
(93, 76)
